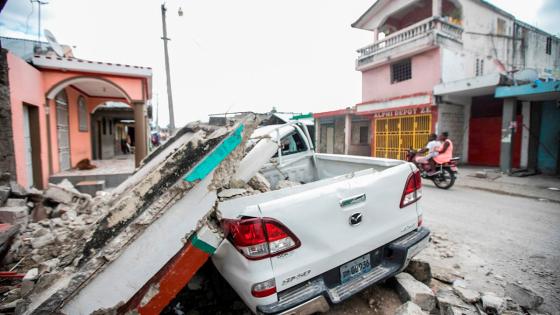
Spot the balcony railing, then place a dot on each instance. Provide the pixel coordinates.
(408, 34)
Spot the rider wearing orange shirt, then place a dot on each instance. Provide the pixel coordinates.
(445, 151)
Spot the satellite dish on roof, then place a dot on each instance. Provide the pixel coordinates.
(529, 75)
(53, 43)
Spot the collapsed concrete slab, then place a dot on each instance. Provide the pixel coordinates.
(169, 197)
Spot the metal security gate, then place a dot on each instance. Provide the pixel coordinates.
(394, 135)
(62, 130)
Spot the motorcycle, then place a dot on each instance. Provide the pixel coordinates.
(445, 174)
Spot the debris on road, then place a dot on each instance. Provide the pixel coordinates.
(445, 275)
(413, 290)
(409, 308)
(420, 270)
(523, 296)
(493, 304)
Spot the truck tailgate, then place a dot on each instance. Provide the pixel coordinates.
(340, 221)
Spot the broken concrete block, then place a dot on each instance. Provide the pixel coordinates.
(66, 184)
(450, 304)
(18, 190)
(467, 295)
(42, 241)
(413, 290)
(481, 174)
(64, 195)
(260, 183)
(69, 215)
(16, 202)
(420, 270)
(49, 265)
(409, 308)
(14, 215)
(31, 274)
(445, 275)
(523, 296)
(4, 194)
(228, 193)
(90, 187)
(286, 184)
(492, 304)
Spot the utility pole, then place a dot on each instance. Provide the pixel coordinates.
(39, 4)
(168, 74)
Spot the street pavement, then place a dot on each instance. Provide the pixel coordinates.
(498, 238)
(536, 186)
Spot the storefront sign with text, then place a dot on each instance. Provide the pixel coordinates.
(403, 112)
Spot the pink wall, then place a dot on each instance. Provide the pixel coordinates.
(80, 141)
(30, 86)
(376, 82)
(26, 86)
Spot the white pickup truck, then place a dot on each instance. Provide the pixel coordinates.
(353, 222)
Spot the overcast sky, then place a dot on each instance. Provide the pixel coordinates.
(229, 55)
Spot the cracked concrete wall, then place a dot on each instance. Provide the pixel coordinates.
(7, 158)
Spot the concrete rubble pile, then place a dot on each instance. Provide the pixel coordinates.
(67, 238)
(51, 227)
(417, 285)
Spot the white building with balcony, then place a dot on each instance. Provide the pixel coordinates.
(433, 66)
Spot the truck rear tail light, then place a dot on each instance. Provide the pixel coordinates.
(264, 289)
(258, 238)
(412, 190)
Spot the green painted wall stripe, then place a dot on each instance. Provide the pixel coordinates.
(220, 153)
(302, 116)
(205, 247)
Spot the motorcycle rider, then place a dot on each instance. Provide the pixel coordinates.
(445, 152)
(432, 149)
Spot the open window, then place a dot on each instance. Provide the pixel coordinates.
(292, 143)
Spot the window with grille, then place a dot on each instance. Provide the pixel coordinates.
(549, 45)
(82, 114)
(401, 71)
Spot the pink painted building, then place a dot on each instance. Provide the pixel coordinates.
(53, 108)
(433, 66)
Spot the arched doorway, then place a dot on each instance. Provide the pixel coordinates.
(113, 130)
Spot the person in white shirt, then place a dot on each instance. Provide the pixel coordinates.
(432, 148)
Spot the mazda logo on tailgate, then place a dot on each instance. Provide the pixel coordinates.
(356, 219)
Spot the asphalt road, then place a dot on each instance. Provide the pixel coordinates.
(497, 239)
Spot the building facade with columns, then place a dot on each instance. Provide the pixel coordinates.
(52, 111)
(434, 66)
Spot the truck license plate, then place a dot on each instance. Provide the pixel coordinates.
(355, 268)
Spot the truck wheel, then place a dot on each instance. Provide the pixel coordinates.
(445, 180)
